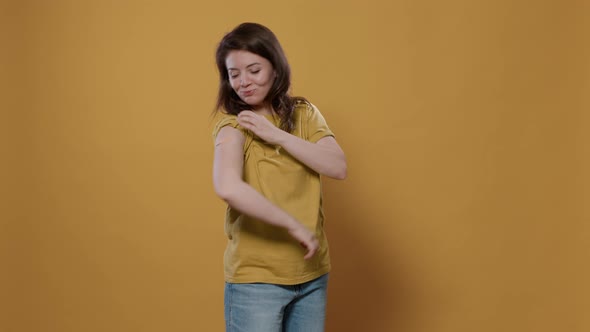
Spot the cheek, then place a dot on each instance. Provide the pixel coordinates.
(266, 81)
(234, 85)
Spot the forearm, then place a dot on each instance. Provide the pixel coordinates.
(247, 200)
(328, 160)
(229, 185)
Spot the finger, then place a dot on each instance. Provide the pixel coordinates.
(310, 253)
(246, 123)
(312, 248)
(247, 119)
(247, 115)
(246, 112)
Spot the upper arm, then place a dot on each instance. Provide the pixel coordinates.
(316, 126)
(330, 142)
(338, 164)
(228, 161)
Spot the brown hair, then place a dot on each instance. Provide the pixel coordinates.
(260, 40)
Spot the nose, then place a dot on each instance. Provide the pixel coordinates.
(244, 80)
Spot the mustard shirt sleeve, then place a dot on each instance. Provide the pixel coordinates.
(227, 120)
(317, 127)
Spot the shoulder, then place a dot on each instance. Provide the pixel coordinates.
(304, 108)
(301, 103)
(223, 120)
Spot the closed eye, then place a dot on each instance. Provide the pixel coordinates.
(233, 73)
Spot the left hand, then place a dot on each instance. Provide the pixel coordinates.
(260, 126)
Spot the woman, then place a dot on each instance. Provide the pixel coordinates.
(270, 150)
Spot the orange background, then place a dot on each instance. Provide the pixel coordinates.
(466, 125)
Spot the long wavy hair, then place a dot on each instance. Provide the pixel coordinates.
(260, 40)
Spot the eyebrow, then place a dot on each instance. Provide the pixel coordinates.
(248, 66)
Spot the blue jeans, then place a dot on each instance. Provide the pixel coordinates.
(263, 307)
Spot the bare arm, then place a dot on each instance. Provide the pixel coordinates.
(229, 186)
(325, 157)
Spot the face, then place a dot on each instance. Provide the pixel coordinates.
(250, 75)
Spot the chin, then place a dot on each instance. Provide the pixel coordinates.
(253, 103)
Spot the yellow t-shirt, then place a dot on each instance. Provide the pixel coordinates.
(257, 251)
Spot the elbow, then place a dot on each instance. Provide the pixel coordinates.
(226, 191)
(340, 172)
(223, 193)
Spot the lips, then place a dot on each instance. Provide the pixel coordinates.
(248, 93)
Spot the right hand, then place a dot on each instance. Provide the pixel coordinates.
(260, 126)
(306, 239)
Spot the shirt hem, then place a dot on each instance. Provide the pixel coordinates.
(280, 281)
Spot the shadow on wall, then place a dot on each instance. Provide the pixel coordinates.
(368, 290)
